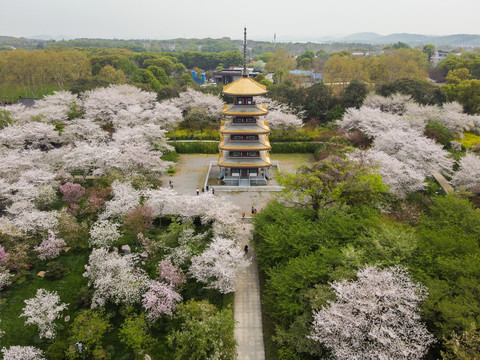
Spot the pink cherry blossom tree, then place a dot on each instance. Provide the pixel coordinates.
(170, 274)
(374, 317)
(42, 310)
(50, 247)
(161, 298)
(4, 256)
(72, 193)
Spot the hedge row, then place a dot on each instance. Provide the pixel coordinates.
(294, 147)
(195, 147)
(212, 147)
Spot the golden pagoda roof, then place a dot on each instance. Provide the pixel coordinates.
(225, 161)
(244, 110)
(261, 144)
(245, 86)
(260, 127)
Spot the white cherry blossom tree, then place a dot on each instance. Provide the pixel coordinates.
(43, 310)
(374, 317)
(22, 353)
(115, 278)
(218, 266)
(468, 175)
(104, 233)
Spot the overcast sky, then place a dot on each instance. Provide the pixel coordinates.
(289, 19)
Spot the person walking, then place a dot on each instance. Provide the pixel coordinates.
(203, 189)
(213, 191)
(207, 188)
(246, 249)
(243, 216)
(198, 191)
(253, 210)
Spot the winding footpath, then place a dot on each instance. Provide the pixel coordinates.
(248, 311)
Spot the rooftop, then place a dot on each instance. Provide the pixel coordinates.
(245, 86)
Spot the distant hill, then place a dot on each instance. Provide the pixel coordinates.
(456, 40)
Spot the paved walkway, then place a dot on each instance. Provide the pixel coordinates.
(248, 311)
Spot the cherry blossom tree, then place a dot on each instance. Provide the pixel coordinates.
(412, 148)
(170, 274)
(104, 104)
(43, 310)
(468, 174)
(219, 265)
(125, 199)
(5, 277)
(374, 317)
(115, 277)
(104, 233)
(4, 256)
(161, 298)
(191, 98)
(399, 176)
(50, 247)
(72, 193)
(372, 122)
(32, 135)
(24, 217)
(394, 104)
(22, 353)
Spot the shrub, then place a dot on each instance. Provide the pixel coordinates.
(437, 131)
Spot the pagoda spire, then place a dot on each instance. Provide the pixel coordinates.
(244, 72)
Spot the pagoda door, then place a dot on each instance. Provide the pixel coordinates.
(244, 173)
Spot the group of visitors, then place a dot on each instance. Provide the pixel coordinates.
(208, 188)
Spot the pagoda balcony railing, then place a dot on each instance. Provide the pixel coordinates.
(244, 157)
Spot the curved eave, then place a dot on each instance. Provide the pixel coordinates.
(230, 147)
(236, 111)
(229, 162)
(236, 131)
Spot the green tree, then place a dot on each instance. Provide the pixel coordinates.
(86, 334)
(456, 76)
(318, 100)
(429, 49)
(112, 76)
(165, 63)
(332, 180)
(135, 334)
(463, 347)
(305, 60)
(354, 94)
(466, 93)
(203, 332)
(281, 60)
(5, 119)
(159, 74)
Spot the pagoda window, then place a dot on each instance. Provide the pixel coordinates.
(236, 153)
(252, 137)
(252, 153)
(244, 120)
(248, 100)
(237, 137)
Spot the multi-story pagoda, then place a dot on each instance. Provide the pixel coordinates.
(244, 146)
